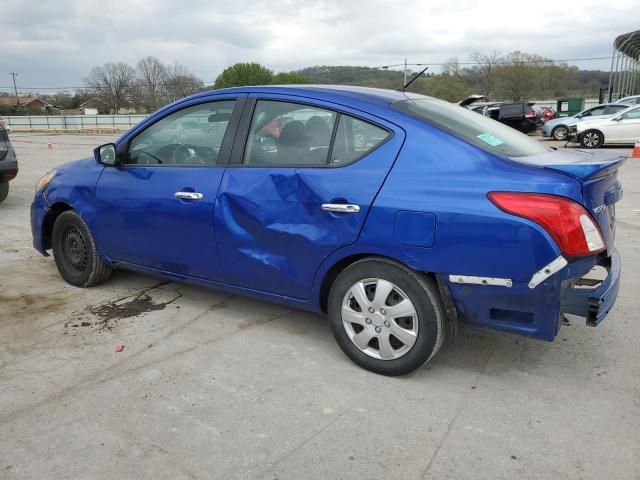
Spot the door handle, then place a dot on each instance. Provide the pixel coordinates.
(341, 207)
(188, 195)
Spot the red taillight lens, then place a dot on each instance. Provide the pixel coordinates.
(531, 114)
(568, 223)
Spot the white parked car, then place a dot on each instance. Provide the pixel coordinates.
(622, 129)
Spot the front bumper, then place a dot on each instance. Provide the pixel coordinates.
(38, 212)
(591, 299)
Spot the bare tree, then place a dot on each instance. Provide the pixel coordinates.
(152, 76)
(486, 70)
(180, 82)
(113, 83)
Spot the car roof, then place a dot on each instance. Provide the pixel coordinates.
(622, 100)
(378, 96)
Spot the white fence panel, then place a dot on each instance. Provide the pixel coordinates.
(73, 122)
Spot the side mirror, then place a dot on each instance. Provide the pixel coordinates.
(616, 119)
(106, 154)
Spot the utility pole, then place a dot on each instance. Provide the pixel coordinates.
(15, 89)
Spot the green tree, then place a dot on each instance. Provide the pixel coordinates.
(244, 74)
(289, 78)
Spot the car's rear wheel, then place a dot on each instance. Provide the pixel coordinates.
(560, 132)
(4, 190)
(592, 139)
(386, 317)
(75, 252)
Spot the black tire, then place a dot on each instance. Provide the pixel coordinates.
(560, 132)
(591, 139)
(420, 290)
(75, 252)
(4, 191)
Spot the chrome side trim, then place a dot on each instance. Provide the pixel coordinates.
(546, 271)
(466, 279)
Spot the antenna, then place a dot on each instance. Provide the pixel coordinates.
(404, 88)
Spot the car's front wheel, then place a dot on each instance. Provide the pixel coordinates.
(386, 317)
(75, 252)
(560, 132)
(592, 139)
(4, 191)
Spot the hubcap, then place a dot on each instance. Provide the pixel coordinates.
(379, 319)
(75, 249)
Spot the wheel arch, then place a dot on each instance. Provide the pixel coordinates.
(50, 218)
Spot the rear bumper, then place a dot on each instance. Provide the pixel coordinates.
(538, 312)
(594, 302)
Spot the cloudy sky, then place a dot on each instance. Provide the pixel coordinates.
(54, 43)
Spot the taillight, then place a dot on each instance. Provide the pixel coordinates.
(530, 114)
(566, 221)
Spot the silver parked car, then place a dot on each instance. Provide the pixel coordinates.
(558, 128)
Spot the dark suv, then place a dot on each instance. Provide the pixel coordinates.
(8, 163)
(518, 115)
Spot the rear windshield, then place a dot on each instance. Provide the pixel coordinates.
(473, 127)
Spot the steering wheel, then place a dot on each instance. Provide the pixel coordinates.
(187, 154)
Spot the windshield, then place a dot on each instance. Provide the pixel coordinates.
(475, 128)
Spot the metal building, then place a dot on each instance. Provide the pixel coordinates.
(624, 79)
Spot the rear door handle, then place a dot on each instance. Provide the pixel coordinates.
(341, 207)
(188, 195)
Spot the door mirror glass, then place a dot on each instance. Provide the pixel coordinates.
(106, 154)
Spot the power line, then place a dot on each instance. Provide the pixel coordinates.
(512, 62)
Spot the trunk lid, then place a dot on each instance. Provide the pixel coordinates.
(597, 171)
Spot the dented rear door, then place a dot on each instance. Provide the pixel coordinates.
(271, 229)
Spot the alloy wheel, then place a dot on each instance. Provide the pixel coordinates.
(591, 139)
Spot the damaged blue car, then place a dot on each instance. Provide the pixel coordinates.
(396, 215)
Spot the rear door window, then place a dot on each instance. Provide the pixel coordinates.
(291, 134)
(511, 110)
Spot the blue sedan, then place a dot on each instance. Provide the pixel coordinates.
(396, 215)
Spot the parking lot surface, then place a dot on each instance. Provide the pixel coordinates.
(215, 386)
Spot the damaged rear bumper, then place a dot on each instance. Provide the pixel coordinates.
(593, 299)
